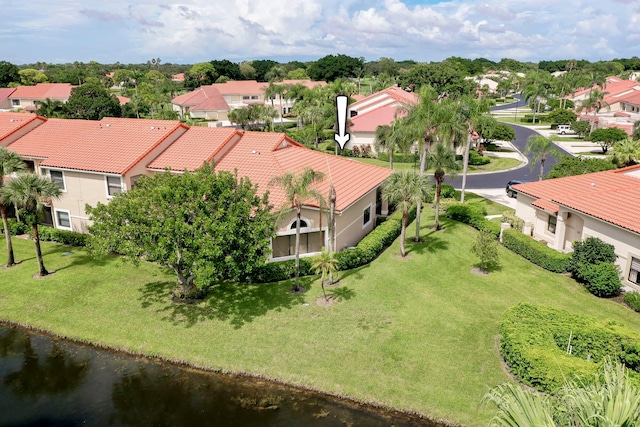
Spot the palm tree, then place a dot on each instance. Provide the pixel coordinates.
(406, 189)
(536, 86)
(29, 192)
(626, 152)
(9, 162)
(541, 147)
(595, 101)
(392, 138)
(443, 160)
(51, 108)
(326, 264)
(298, 189)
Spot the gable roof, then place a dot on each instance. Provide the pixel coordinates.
(10, 123)
(111, 145)
(611, 196)
(369, 121)
(59, 91)
(205, 98)
(5, 92)
(240, 87)
(260, 156)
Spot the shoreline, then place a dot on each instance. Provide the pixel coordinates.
(382, 410)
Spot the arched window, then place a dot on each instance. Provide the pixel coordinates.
(303, 224)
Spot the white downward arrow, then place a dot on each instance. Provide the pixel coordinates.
(341, 106)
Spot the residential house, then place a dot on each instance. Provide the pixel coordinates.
(29, 97)
(603, 204)
(206, 103)
(380, 108)
(5, 101)
(261, 156)
(16, 125)
(92, 160)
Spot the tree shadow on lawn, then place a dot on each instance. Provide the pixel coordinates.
(431, 242)
(236, 303)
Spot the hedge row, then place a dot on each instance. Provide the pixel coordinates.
(474, 215)
(16, 228)
(534, 342)
(65, 237)
(536, 252)
(366, 251)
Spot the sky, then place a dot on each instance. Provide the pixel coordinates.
(191, 31)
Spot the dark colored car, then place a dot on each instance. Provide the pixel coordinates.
(510, 192)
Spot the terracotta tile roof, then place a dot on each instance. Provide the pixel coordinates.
(241, 87)
(178, 77)
(389, 95)
(205, 98)
(123, 99)
(60, 91)
(5, 92)
(612, 196)
(197, 145)
(12, 122)
(369, 121)
(260, 156)
(307, 83)
(112, 145)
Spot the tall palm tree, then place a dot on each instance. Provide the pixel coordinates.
(29, 192)
(9, 163)
(297, 190)
(594, 102)
(536, 86)
(443, 159)
(392, 139)
(406, 189)
(541, 147)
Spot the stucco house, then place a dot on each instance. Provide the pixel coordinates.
(379, 108)
(28, 97)
(15, 125)
(602, 204)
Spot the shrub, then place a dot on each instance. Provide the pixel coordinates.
(536, 252)
(485, 248)
(472, 214)
(602, 279)
(16, 227)
(477, 159)
(65, 237)
(591, 251)
(632, 299)
(510, 218)
(446, 191)
(534, 341)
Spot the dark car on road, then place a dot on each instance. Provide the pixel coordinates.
(511, 192)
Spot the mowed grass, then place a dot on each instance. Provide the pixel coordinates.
(418, 334)
(496, 164)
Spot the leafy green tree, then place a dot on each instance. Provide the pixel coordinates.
(247, 70)
(331, 67)
(570, 166)
(51, 108)
(594, 102)
(298, 189)
(262, 68)
(9, 73)
(240, 116)
(392, 139)
(92, 102)
(10, 162)
(31, 77)
(324, 263)
(442, 76)
(200, 74)
(485, 247)
(606, 137)
(540, 147)
(405, 189)
(298, 74)
(224, 67)
(581, 128)
(442, 159)
(29, 192)
(561, 116)
(626, 152)
(206, 226)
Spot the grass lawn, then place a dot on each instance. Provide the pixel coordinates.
(497, 164)
(419, 333)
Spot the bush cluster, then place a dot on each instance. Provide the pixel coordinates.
(16, 228)
(536, 252)
(592, 263)
(475, 158)
(632, 299)
(510, 218)
(534, 341)
(365, 252)
(66, 237)
(474, 215)
(528, 118)
(446, 192)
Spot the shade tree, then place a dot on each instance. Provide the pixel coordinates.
(606, 137)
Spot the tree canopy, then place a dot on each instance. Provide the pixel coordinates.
(606, 137)
(332, 67)
(207, 226)
(8, 73)
(570, 166)
(92, 102)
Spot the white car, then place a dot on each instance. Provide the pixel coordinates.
(565, 129)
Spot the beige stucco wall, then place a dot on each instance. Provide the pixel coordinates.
(349, 227)
(360, 139)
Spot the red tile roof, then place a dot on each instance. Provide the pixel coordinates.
(5, 92)
(112, 145)
(12, 122)
(369, 121)
(60, 91)
(612, 196)
(205, 98)
(240, 87)
(199, 144)
(391, 94)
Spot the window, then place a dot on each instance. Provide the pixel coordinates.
(245, 97)
(366, 216)
(303, 224)
(286, 245)
(114, 185)
(58, 179)
(254, 96)
(551, 225)
(634, 271)
(63, 219)
(15, 102)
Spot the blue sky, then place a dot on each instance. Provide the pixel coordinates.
(193, 31)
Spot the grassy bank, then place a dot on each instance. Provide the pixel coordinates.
(418, 334)
(497, 164)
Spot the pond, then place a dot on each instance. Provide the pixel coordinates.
(52, 382)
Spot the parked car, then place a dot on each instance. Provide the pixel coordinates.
(510, 192)
(565, 129)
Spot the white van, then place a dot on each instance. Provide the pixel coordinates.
(565, 129)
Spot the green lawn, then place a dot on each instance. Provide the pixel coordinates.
(497, 164)
(418, 334)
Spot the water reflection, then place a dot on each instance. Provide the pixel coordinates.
(53, 382)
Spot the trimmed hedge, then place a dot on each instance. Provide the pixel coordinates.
(474, 215)
(16, 227)
(366, 251)
(65, 237)
(602, 279)
(536, 252)
(632, 299)
(534, 342)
